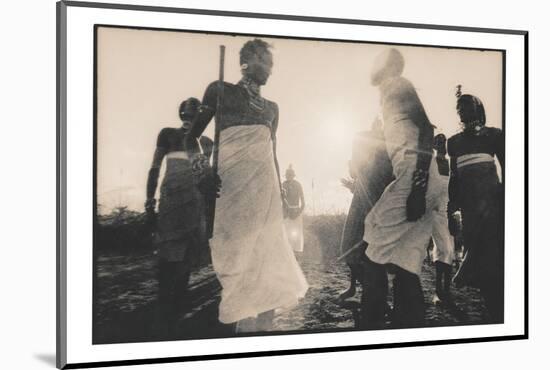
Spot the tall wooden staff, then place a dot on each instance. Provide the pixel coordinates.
(211, 202)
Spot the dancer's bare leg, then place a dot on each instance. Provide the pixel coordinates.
(350, 292)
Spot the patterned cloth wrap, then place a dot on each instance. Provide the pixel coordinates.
(181, 224)
(250, 252)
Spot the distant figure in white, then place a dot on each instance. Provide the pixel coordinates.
(252, 258)
(294, 205)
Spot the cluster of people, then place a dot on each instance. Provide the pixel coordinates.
(251, 254)
(403, 196)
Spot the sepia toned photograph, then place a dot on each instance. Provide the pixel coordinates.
(257, 185)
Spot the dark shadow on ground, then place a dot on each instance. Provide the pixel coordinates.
(127, 303)
(146, 323)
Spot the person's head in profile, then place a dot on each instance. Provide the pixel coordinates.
(388, 64)
(470, 110)
(187, 111)
(256, 61)
(440, 143)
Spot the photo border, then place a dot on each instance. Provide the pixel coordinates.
(240, 34)
(61, 100)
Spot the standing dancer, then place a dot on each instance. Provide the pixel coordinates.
(180, 225)
(399, 227)
(443, 251)
(370, 170)
(476, 191)
(251, 256)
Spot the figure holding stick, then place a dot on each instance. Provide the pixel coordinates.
(250, 254)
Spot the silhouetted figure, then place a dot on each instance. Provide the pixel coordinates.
(476, 191)
(180, 225)
(252, 258)
(370, 171)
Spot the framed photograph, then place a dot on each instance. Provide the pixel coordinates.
(237, 184)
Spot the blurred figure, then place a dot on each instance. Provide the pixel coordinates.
(250, 253)
(180, 225)
(370, 172)
(476, 191)
(399, 226)
(294, 205)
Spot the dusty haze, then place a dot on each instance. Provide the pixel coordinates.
(322, 89)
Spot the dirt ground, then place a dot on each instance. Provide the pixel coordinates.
(126, 310)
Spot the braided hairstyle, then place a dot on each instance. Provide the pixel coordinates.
(188, 108)
(253, 47)
(470, 110)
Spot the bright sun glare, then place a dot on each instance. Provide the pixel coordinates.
(336, 138)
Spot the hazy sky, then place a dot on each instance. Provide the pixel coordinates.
(322, 89)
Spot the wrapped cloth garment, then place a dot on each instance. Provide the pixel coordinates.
(371, 168)
(251, 256)
(390, 236)
(477, 191)
(294, 228)
(181, 222)
(482, 225)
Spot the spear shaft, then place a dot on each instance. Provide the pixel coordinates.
(217, 126)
